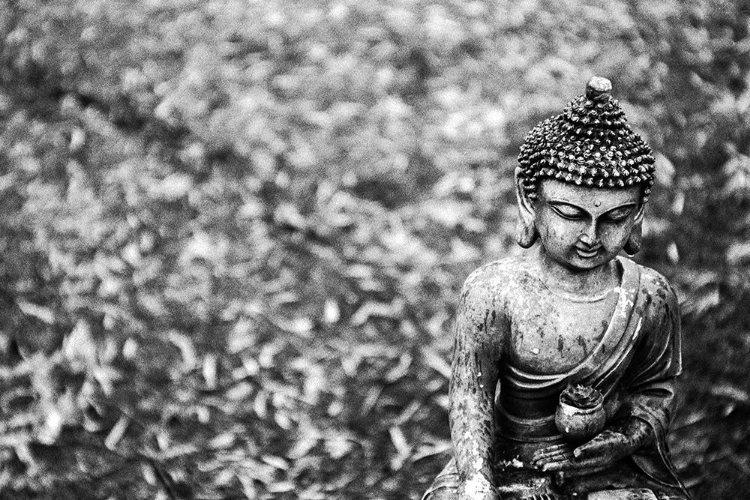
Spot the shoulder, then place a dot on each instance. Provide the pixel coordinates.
(655, 285)
(657, 295)
(491, 286)
(491, 279)
(482, 313)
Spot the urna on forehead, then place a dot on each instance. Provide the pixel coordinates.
(589, 144)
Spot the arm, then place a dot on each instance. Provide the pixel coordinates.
(648, 384)
(649, 381)
(472, 391)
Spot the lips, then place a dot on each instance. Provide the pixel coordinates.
(588, 252)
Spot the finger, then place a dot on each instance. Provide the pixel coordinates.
(595, 446)
(557, 455)
(549, 454)
(582, 471)
(572, 465)
(552, 451)
(587, 449)
(558, 466)
(562, 456)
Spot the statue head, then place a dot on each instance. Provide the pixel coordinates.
(588, 148)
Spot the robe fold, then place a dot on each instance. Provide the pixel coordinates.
(633, 365)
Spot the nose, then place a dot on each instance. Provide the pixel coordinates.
(588, 235)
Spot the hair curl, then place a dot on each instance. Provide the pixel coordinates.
(589, 144)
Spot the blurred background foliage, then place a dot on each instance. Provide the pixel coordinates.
(233, 232)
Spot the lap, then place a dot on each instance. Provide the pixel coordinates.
(528, 483)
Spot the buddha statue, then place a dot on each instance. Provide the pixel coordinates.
(565, 357)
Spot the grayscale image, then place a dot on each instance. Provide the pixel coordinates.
(374, 249)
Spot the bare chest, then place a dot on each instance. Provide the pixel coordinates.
(550, 334)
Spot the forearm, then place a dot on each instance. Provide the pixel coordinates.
(651, 403)
(649, 382)
(637, 430)
(472, 433)
(476, 355)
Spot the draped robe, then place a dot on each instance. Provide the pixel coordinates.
(633, 364)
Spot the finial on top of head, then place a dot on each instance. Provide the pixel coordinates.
(598, 88)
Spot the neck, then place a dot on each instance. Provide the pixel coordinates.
(583, 282)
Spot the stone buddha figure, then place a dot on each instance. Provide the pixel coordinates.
(565, 357)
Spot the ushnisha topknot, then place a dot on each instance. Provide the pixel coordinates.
(589, 144)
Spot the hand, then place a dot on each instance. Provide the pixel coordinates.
(602, 451)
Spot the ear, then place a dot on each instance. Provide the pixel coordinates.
(525, 204)
(527, 233)
(639, 213)
(635, 240)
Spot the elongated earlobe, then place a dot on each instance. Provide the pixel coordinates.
(526, 230)
(633, 245)
(526, 234)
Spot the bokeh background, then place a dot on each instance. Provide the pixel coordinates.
(233, 232)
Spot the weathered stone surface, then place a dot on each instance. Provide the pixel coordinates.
(569, 311)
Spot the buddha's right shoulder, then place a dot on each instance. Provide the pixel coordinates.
(493, 280)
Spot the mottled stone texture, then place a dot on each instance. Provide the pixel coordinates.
(512, 331)
(569, 312)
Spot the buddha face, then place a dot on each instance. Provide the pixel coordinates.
(583, 227)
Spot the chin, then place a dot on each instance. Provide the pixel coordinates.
(586, 264)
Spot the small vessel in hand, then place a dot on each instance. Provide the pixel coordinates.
(580, 413)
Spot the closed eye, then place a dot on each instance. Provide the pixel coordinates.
(568, 211)
(618, 214)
